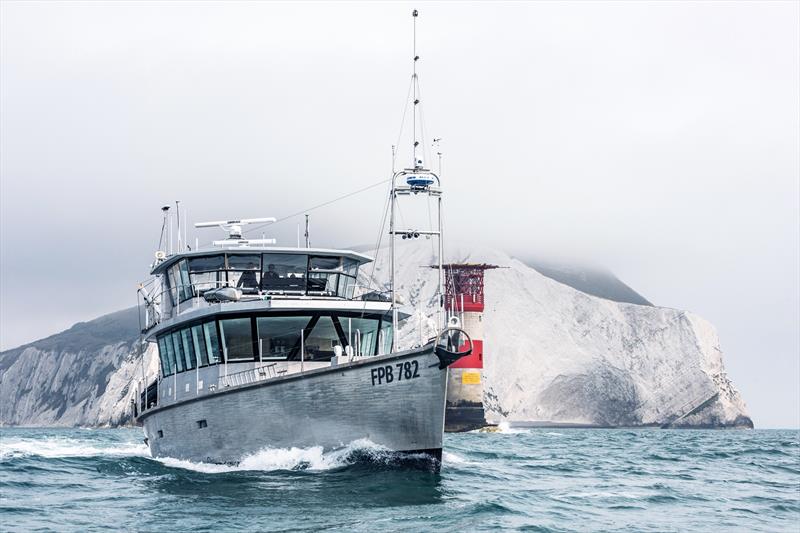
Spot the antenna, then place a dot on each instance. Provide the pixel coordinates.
(165, 210)
(307, 239)
(417, 162)
(234, 229)
(438, 153)
(185, 226)
(178, 212)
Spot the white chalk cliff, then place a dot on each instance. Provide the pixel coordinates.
(553, 355)
(79, 377)
(556, 355)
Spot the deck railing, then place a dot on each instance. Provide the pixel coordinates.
(251, 375)
(159, 307)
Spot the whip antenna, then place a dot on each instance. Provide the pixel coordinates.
(415, 83)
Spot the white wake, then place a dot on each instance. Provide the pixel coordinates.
(58, 447)
(313, 458)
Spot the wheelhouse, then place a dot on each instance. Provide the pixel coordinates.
(240, 314)
(193, 279)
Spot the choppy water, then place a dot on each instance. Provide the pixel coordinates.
(540, 480)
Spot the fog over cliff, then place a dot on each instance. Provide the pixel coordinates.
(554, 354)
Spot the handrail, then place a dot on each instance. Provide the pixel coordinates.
(158, 307)
(251, 375)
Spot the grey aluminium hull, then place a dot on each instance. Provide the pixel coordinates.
(329, 407)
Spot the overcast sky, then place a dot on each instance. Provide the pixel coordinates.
(660, 140)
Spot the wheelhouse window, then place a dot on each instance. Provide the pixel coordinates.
(177, 346)
(169, 353)
(283, 337)
(323, 274)
(284, 272)
(279, 337)
(324, 263)
(188, 349)
(385, 336)
(166, 364)
(253, 273)
(244, 272)
(364, 334)
(332, 276)
(237, 339)
(315, 336)
(200, 348)
(212, 342)
(206, 273)
(320, 340)
(179, 282)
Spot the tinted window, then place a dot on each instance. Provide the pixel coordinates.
(347, 287)
(248, 280)
(177, 345)
(280, 336)
(363, 332)
(284, 272)
(212, 342)
(385, 338)
(173, 283)
(204, 281)
(170, 353)
(162, 356)
(186, 285)
(350, 266)
(244, 262)
(237, 340)
(207, 263)
(319, 342)
(323, 282)
(179, 281)
(188, 349)
(199, 342)
(324, 263)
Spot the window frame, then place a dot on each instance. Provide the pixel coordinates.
(224, 342)
(177, 357)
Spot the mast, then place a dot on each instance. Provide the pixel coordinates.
(418, 180)
(414, 15)
(392, 202)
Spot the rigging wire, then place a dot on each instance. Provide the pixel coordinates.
(371, 280)
(380, 238)
(318, 206)
(402, 219)
(304, 211)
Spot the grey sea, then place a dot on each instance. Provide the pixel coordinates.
(536, 480)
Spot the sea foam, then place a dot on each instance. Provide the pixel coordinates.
(62, 447)
(313, 458)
